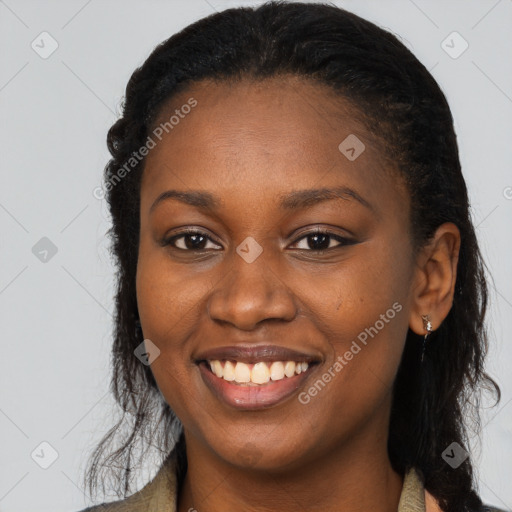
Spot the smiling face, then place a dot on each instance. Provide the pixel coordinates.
(293, 244)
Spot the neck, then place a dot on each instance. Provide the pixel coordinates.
(356, 476)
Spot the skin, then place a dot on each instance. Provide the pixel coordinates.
(249, 143)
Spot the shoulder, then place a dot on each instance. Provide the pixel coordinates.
(159, 494)
(131, 504)
(414, 478)
(116, 506)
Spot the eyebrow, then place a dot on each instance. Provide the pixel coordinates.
(305, 198)
(197, 198)
(291, 201)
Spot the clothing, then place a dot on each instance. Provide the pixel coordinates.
(160, 495)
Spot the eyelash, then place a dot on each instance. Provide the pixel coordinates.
(342, 241)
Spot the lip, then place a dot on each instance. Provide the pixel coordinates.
(254, 354)
(260, 396)
(253, 397)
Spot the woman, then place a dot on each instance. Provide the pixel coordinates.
(301, 295)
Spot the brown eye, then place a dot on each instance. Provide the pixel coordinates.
(189, 241)
(322, 241)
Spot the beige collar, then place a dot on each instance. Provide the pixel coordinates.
(160, 494)
(414, 497)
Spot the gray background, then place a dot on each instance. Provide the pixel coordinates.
(57, 314)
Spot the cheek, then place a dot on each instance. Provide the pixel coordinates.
(167, 298)
(363, 316)
(166, 308)
(353, 296)
(169, 303)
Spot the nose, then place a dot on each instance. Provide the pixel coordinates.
(250, 293)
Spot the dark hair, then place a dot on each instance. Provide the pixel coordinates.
(400, 103)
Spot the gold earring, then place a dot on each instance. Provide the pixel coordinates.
(427, 325)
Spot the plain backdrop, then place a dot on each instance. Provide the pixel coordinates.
(56, 275)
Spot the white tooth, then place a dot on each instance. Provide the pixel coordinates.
(304, 366)
(260, 373)
(229, 371)
(289, 368)
(277, 370)
(298, 368)
(217, 368)
(242, 373)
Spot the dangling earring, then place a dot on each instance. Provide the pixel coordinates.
(427, 325)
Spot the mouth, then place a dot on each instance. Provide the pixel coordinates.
(255, 378)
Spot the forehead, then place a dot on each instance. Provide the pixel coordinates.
(266, 136)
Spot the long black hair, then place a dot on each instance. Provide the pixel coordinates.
(404, 108)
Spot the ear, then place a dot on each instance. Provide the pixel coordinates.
(434, 278)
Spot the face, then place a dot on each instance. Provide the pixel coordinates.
(293, 243)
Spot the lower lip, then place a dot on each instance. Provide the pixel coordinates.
(253, 397)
